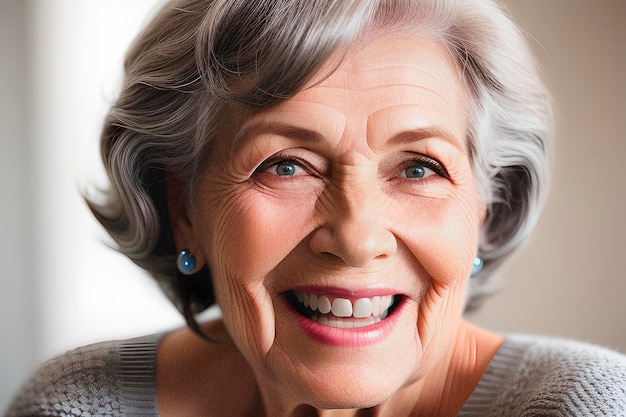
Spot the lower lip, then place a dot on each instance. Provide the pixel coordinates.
(357, 337)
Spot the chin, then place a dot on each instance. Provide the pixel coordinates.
(330, 377)
(347, 393)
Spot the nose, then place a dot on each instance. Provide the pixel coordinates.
(354, 226)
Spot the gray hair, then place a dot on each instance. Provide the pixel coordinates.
(197, 58)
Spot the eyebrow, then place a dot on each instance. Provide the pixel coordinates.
(260, 127)
(415, 135)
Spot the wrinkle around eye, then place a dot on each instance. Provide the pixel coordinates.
(432, 185)
(295, 186)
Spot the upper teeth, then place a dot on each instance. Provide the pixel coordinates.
(343, 307)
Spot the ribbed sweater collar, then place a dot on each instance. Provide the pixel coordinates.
(495, 379)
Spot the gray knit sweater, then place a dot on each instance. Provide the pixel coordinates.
(529, 376)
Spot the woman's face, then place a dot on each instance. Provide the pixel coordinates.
(340, 225)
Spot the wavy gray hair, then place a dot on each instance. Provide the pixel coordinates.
(197, 58)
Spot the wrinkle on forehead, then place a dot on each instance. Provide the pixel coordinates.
(364, 79)
(406, 82)
(408, 54)
(386, 71)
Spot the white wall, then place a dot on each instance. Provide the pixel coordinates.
(17, 339)
(86, 290)
(61, 286)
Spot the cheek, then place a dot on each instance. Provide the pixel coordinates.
(246, 234)
(254, 232)
(442, 234)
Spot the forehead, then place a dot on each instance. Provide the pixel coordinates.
(379, 83)
(395, 59)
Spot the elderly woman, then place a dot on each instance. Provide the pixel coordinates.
(342, 178)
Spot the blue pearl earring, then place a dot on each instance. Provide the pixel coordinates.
(477, 265)
(186, 262)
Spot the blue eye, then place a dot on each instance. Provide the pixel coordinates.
(415, 172)
(422, 167)
(281, 166)
(285, 169)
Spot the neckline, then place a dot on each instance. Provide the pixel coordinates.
(495, 378)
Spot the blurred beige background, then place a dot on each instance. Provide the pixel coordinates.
(60, 64)
(571, 279)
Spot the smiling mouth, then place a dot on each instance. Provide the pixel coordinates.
(342, 312)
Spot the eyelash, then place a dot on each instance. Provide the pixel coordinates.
(421, 161)
(280, 159)
(426, 162)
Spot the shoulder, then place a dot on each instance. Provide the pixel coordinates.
(570, 362)
(546, 376)
(98, 379)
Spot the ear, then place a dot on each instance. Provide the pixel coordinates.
(180, 220)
